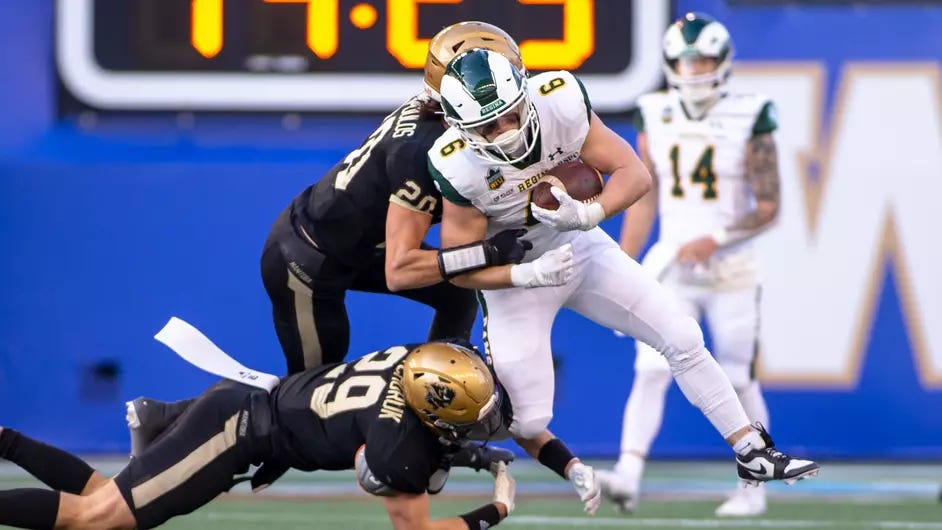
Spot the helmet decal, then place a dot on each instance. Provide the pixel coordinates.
(439, 395)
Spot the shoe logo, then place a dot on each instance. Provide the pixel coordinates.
(760, 469)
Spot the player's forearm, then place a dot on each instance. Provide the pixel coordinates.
(484, 513)
(636, 228)
(625, 186)
(413, 269)
(762, 173)
(485, 279)
(748, 226)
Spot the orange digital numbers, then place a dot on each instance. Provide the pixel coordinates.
(206, 31)
(206, 28)
(402, 35)
(402, 30)
(322, 25)
(577, 44)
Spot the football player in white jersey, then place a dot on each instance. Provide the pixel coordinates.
(714, 163)
(507, 132)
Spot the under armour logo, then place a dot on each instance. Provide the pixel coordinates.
(552, 156)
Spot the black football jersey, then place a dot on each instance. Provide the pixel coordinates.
(345, 211)
(323, 415)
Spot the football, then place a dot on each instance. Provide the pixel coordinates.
(583, 183)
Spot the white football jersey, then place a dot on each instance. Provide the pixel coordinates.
(700, 166)
(502, 191)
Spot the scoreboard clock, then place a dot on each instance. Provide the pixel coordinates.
(333, 55)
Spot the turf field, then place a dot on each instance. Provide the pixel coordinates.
(679, 495)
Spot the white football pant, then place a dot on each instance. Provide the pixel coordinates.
(733, 320)
(613, 290)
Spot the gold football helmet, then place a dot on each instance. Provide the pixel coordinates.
(456, 38)
(451, 389)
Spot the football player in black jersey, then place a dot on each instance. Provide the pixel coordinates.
(396, 416)
(361, 227)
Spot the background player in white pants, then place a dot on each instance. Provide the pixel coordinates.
(714, 162)
(506, 132)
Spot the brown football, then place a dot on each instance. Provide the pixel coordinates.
(583, 183)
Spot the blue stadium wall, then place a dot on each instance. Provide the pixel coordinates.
(107, 231)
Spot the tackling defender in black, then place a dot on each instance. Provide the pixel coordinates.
(397, 416)
(361, 227)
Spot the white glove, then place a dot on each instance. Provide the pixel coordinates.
(587, 487)
(505, 487)
(555, 267)
(571, 214)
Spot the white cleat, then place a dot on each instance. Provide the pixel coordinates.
(623, 492)
(746, 501)
(622, 486)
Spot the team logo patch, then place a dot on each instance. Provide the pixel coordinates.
(495, 178)
(667, 115)
(438, 395)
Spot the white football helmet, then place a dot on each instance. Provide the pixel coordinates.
(693, 37)
(479, 87)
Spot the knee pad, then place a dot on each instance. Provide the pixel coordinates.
(529, 427)
(682, 340)
(739, 374)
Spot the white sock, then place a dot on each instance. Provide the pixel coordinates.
(753, 402)
(630, 467)
(706, 386)
(752, 440)
(644, 411)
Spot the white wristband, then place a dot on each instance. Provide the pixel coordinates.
(521, 275)
(596, 214)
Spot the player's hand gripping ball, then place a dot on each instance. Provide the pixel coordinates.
(581, 182)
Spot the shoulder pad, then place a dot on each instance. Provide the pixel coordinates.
(564, 93)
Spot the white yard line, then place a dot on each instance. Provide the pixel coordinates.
(633, 522)
(595, 522)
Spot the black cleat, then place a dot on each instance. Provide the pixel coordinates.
(763, 465)
(147, 418)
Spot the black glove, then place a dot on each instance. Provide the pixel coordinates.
(479, 457)
(506, 247)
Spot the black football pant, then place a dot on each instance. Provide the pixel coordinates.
(307, 289)
(220, 435)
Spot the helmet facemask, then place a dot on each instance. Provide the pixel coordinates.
(480, 92)
(488, 423)
(510, 146)
(687, 43)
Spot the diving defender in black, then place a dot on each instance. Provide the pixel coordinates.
(396, 415)
(358, 229)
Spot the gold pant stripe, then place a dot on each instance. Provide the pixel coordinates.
(147, 492)
(304, 313)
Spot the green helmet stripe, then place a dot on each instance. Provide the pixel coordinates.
(475, 74)
(692, 24)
